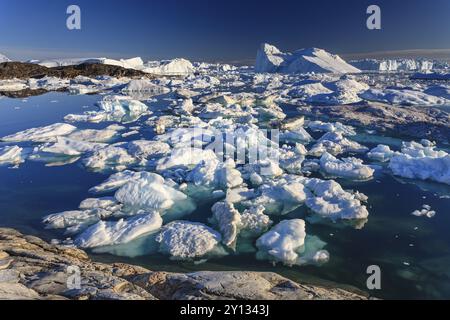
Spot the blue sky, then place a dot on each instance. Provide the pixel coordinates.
(217, 30)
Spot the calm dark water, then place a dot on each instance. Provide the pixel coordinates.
(412, 252)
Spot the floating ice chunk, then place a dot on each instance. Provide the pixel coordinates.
(103, 203)
(335, 143)
(329, 200)
(215, 174)
(76, 220)
(122, 105)
(300, 135)
(169, 67)
(265, 168)
(425, 211)
(184, 157)
(151, 193)
(284, 241)
(119, 179)
(228, 220)
(41, 134)
(12, 155)
(331, 127)
(187, 240)
(381, 153)
(111, 157)
(254, 222)
(351, 168)
(279, 196)
(106, 233)
(421, 162)
(146, 149)
(66, 147)
(92, 135)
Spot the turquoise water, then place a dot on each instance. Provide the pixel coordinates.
(412, 252)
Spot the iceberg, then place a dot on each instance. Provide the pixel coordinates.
(41, 134)
(335, 143)
(184, 240)
(151, 193)
(109, 158)
(169, 67)
(106, 233)
(228, 220)
(12, 155)
(423, 162)
(381, 153)
(270, 59)
(350, 168)
(184, 158)
(327, 199)
(76, 220)
(284, 241)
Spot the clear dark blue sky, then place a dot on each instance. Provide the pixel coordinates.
(224, 30)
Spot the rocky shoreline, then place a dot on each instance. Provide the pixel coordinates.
(22, 70)
(31, 268)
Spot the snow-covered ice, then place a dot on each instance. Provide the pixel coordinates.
(122, 231)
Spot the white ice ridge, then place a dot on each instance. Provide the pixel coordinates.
(421, 161)
(105, 233)
(351, 168)
(284, 241)
(187, 240)
(41, 134)
(270, 59)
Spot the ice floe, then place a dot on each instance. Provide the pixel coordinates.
(41, 134)
(107, 233)
(12, 155)
(351, 168)
(381, 153)
(184, 240)
(425, 211)
(421, 161)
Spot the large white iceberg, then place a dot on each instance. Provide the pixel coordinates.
(169, 67)
(270, 59)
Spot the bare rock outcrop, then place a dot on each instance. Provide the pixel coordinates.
(31, 268)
